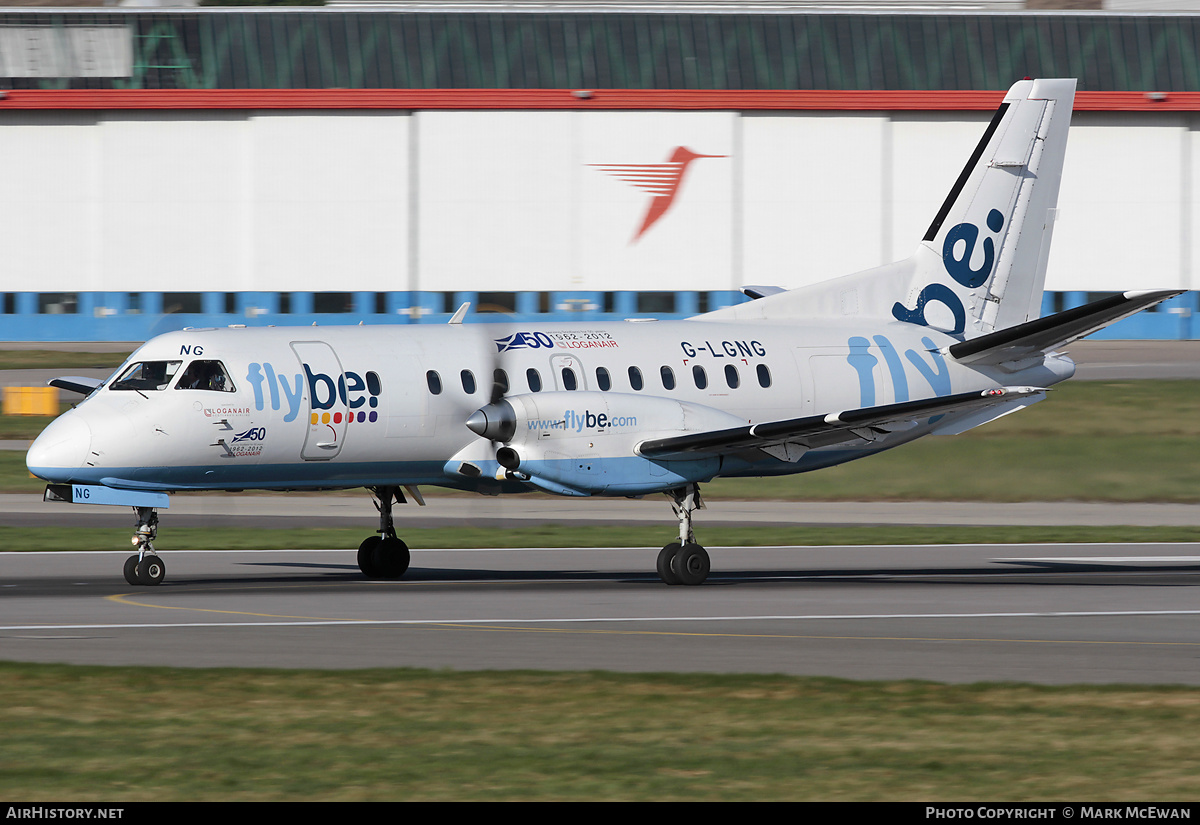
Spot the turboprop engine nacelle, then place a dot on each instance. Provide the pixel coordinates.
(583, 442)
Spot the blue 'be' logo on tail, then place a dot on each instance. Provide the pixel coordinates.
(958, 268)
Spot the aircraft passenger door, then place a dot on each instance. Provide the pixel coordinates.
(567, 371)
(324, 386)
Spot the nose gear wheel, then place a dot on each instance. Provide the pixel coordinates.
(145, 567)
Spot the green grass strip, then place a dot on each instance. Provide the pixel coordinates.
(92, 734)
(51, 359)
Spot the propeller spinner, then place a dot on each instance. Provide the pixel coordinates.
(495, 422)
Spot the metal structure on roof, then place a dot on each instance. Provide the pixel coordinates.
(443, 48)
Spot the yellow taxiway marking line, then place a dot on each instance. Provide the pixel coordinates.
(492, 626)
(121, 598)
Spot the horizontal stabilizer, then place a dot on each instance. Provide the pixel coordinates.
(824, 430)
(75, 383)
(1047, 334)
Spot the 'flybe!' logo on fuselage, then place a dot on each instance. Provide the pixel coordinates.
(958, 251)
(325, 392)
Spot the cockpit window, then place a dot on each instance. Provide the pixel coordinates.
(147, 375)
(205, 375)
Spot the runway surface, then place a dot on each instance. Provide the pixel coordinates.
(1036, 613)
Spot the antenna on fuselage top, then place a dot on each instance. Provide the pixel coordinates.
(459, 314)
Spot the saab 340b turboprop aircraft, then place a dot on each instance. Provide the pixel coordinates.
(793, 381)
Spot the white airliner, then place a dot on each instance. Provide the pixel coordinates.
(793, 381)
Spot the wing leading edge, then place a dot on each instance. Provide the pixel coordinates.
(790, 438)
(75, 383)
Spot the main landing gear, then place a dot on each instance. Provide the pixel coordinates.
(384, 556)
(145, 567)
(684, 561)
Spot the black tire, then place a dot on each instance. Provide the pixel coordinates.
(366, 557)
(691, 564)
(391, 558)
(666, 562)
(131, 574)
(151, 570)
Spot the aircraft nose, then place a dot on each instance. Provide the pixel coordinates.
(60, 449)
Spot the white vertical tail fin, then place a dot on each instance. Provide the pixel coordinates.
(981, 265)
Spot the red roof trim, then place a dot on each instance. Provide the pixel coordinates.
(565, 99)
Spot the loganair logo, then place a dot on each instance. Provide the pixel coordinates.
(661, 180)
(252, 434)
(523, 340)
(958, 252)
(559, 339)
(358, 393)
(246, 444)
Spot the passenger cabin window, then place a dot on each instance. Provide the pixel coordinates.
(468, 381)
(668, 378)
(764, 376)
(699, 377)
(635, 379)
(205, 375)
(731, 377)
(434, 382)
(499, 383)
(147, 375)
(534, 378)
(602, 379)
(570, 381)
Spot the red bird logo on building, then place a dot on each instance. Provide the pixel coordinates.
(661, 180)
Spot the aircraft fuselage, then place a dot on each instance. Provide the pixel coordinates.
(321, 407)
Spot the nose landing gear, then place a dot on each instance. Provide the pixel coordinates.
(145, 567)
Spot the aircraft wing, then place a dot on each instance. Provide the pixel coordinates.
(1047, 334)
(790, 438)
(75, 383)
(756, 291)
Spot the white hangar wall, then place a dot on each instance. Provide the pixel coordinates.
(386, 200)
(209, 200)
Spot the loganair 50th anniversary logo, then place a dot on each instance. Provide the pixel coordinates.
(560, 339)
(661, 180)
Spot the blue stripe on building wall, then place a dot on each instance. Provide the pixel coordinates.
(138, 316)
